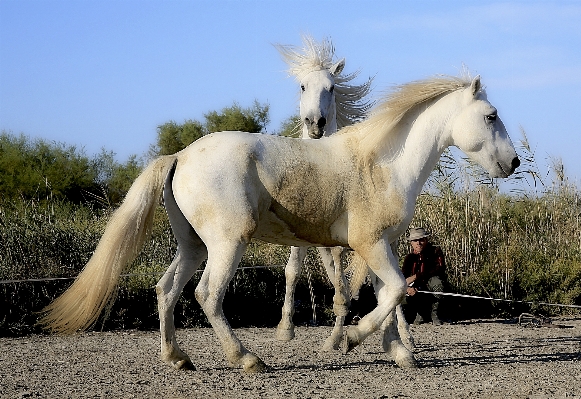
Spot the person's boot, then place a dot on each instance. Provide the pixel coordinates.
(435, 319)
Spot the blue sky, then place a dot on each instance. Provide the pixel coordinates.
(105, 74)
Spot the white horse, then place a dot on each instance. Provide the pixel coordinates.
(357, 189)
(327, 103)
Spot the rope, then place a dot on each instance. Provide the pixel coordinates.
(496, 299)
(30, 280)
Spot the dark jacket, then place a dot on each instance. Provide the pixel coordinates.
(429, 263)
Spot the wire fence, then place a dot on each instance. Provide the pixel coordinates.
(31, 280)
(311, 291)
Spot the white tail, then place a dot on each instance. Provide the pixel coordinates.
(81, 304)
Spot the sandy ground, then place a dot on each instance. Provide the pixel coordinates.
(473, 359)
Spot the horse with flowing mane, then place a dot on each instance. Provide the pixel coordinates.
(327, 102)
(357, 188)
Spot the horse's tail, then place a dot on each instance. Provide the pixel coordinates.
(358, 268)
(130, 225)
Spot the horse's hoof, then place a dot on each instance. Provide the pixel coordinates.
(178, 360)
(184, 364)
(406, 362)
(253, 364)
(331, 344)
(403, 357)
(285, 335)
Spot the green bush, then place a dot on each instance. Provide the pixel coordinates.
(56, 239)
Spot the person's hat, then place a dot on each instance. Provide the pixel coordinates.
(417, 233)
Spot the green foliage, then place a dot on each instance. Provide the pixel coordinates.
(115, 178)
(291, 127)
(173, 137)
(46, 239)
(252, 120)
(523, 246)
(38, 169)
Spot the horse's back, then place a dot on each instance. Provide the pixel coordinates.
(286, 190)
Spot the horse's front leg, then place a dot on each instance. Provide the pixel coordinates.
(396, 337)
(285, 331)
(403, 327)
(390, 293)
(341, 302)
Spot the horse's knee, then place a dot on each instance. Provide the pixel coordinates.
(398, 289)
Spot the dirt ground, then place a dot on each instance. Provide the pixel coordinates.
(473, 359)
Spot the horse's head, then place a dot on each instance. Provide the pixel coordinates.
(479, 132)
(317, 104)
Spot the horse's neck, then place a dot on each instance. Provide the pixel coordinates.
(428, 137)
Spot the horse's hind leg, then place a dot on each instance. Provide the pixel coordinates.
(404, 329)
(223, 258)
(168, 291)
(332, 260)
(285, 331)
(190, 254)
(393, 345)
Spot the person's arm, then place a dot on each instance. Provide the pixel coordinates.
(439, 262)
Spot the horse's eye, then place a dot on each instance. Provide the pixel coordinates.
(490, 118)
(302, 87)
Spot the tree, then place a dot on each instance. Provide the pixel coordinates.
(115, 178)
(291, 127)
(36, 169)
(173, 137)
(253, 120)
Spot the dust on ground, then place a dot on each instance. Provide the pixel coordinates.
(472, 359)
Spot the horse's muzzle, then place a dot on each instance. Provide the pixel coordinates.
(316, 129)
(316, 133)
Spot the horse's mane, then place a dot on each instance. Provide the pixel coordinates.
(400, 100)
(350, 101)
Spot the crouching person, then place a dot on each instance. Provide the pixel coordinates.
(424, 269)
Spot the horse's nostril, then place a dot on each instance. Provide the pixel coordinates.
(307, 121)
(321, 123)
(515, 163)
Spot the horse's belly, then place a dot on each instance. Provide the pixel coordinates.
(292, 231)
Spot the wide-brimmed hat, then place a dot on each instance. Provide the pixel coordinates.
(417, 233)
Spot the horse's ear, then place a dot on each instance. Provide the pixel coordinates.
(337, 68)
(475, 86)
